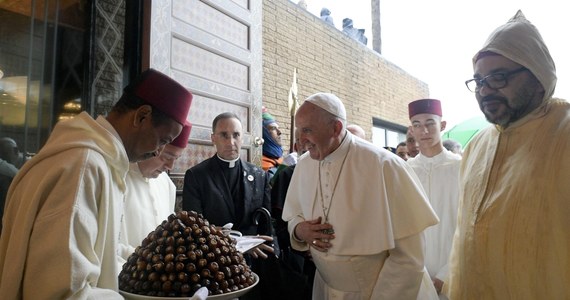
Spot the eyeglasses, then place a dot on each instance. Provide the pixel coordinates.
(493, 81)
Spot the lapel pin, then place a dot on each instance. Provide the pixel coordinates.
(250, 177)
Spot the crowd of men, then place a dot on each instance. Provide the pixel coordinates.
(356, 220)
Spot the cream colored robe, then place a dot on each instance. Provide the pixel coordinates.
(440, 179)
(148, 202)
(378, 208)
(513, 232)
(61, 221)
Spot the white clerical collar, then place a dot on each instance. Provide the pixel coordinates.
(232, 163)
(339, 153)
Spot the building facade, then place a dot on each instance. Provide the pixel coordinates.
(58, 58)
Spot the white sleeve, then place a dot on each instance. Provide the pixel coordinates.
(295, 242)
(443, 273)
(402, 273)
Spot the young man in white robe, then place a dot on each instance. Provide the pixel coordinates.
(438, 170)
(359, 209)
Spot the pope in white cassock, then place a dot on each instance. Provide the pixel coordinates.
(359, 209)
(438, 170)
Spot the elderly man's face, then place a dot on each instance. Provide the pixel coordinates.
(318, 133)
(152, 167)
(522, 94)
(227, 138)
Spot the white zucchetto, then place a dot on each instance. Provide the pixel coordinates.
(328, 102)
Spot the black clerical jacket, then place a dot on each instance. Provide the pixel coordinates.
(206, 191)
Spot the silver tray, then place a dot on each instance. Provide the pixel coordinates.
(226, 296)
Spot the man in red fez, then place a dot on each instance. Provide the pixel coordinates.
(438, 171)
(64, 208)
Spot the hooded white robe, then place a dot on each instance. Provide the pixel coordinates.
(512, 239)
(61, 221)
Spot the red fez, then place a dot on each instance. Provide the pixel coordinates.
(163, 93)
(425, 106)
(181, 141)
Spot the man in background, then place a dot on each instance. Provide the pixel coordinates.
(512, 239)
(272, 148)
(11, 159)
(354, 33)
(438, 170)
(356, 130)
(299, 262)
(326, 16)
(411, 144)
(402, 151)
(225, 188)
(151, 195)
(63, 211)
(10, 162)
(452, 145)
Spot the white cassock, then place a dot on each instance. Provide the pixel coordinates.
(378, 211)
(439, 176)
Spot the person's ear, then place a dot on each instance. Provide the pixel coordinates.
(142, 113)
(337, 127)
(443, 124)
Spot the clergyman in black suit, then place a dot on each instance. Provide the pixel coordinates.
(224, 188)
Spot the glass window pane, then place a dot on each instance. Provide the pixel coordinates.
(379, 136)
(392, 138)
(41, 62)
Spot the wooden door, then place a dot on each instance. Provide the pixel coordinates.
(212, 47)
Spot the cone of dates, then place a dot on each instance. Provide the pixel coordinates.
(181, 255)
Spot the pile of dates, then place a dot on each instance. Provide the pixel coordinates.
(181, 255)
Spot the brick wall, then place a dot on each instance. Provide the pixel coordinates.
(329, 61)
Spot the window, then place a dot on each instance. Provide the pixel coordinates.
(387, 134)
(42, 66)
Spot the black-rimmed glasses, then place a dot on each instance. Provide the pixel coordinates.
(494, 81)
